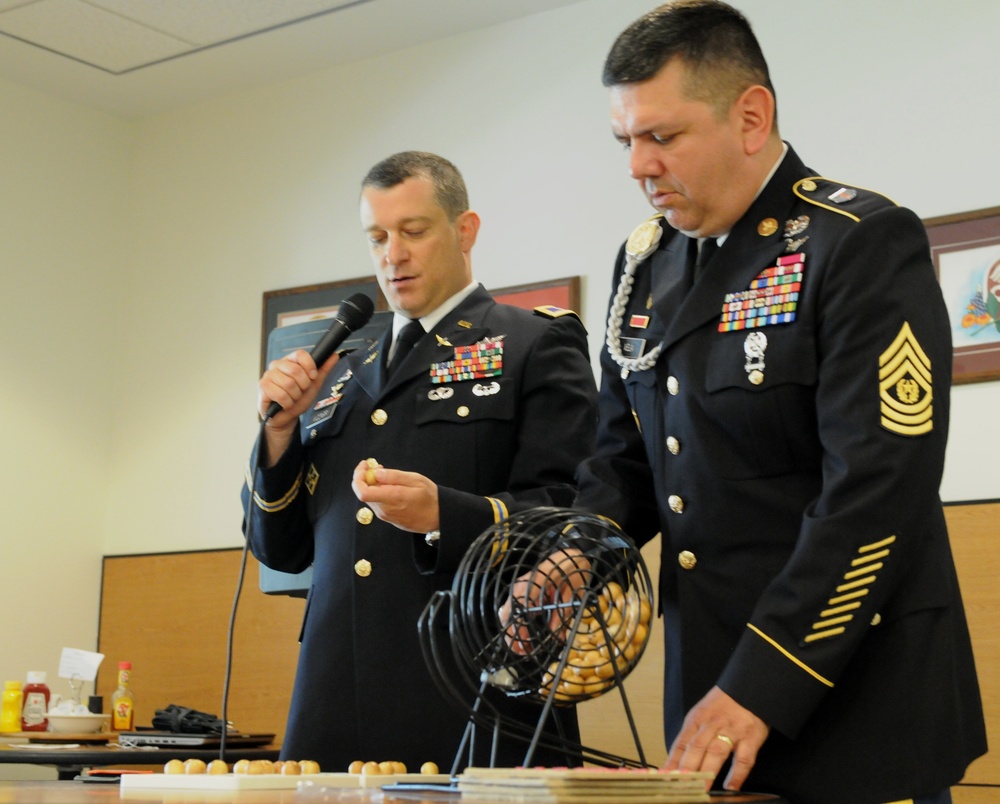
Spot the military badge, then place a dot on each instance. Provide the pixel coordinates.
(754, 347)
(312, 479)
(479, 389)
(796, 226)
(772, 297)
(474, 362)
(843, 195)
(644, 238)
(767, 227)
(905, 386)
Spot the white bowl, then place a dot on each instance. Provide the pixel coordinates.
(88, 723)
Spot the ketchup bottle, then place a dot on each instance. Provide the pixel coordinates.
(34, 714)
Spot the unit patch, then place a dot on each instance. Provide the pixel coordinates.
(772, 297)
(473, 362)
(905, 387)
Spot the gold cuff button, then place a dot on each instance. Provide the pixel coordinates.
(363, 568)
(674, 446)
(364, 516)
(463, 411)
(687, 559)
(676, 504)
(673, 386)
(756, 376)
(876, 619)
(379, 417)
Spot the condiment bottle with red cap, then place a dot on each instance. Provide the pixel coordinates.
(35, 710)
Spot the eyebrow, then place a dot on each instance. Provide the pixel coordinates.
(403, 222)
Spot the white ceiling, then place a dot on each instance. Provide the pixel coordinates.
(138, 57)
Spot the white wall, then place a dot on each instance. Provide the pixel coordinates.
(147, 245)
(63, 207)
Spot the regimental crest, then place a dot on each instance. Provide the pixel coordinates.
(905, 386)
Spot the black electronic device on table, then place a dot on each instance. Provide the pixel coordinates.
(149, 739)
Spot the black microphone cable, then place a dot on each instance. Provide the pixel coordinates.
(353, 313)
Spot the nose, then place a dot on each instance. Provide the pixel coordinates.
(642, 163)
(395, 250)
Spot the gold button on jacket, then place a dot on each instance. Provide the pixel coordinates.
(673, 445)
(687, 559)
(676, 504)
(379, 417)
(673, 386)
(363, 568)
(364, 516)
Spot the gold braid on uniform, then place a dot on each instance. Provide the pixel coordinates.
(641, 243)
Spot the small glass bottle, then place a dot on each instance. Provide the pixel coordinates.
(122, 702)
(35, 710)
(10, 714)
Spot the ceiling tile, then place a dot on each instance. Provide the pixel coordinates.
(220, 20)
(89, 34)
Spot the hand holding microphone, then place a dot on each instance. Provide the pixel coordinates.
(290, 378)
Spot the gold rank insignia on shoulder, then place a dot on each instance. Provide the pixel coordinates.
(905, 387)
(644, 238)
(551, 311)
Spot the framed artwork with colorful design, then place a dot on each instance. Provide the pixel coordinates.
(293, 318)
(563, 293)
(966, 252)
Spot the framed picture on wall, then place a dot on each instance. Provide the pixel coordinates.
(966, 252)
(293, 318)
(556, 292)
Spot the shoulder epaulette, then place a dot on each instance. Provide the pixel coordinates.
(844, 199)
(551, 311)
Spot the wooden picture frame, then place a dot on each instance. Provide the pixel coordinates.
(563, 293)
(295, 307)
(965, 248)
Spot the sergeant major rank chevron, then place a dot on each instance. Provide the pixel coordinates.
(905, 387)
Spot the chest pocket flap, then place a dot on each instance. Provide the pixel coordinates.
(762, 359)
(467, 401)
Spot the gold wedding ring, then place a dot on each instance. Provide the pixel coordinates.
(727, 740)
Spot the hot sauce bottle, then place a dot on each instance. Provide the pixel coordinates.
(122, 702)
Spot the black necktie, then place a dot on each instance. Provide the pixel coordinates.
(690, 265)
(405, 340)
(708, 247)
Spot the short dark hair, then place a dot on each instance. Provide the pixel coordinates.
(713, 39)
(449, 186)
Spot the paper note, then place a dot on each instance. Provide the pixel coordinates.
(78, 663)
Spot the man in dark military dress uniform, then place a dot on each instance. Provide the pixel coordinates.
(489, 413)
(778, 410)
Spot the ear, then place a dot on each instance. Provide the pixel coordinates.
(468, 229)
(755, 117)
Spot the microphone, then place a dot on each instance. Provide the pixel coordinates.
(354, 313)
